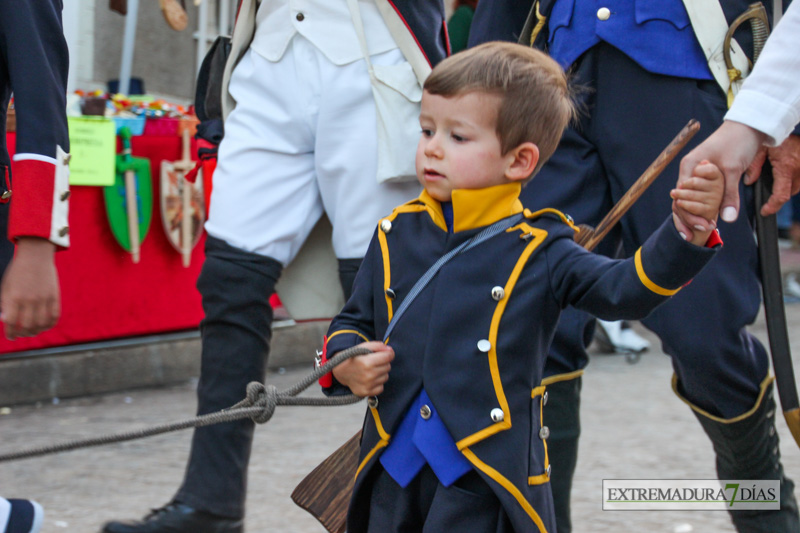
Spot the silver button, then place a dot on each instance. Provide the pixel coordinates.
(498, 293)
(67, 158)
(484, 345)
(386, 226)
(372, 401)
(64, 196)
(544, 432)
(547, 470)
(544, 398)
(391, 294)
(63, 231)
(497, 415)
(569, 218)
(6, 195)
(425, 412)
(603, 13)
(771, 430)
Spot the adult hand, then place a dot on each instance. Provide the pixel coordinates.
(30, 298)
(366, 374)
(731, 148)
(785, 160)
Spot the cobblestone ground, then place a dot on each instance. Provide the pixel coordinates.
(633, 427)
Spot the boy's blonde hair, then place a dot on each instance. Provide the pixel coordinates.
(536, 103)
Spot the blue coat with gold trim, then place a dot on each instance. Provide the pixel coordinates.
(508, 291)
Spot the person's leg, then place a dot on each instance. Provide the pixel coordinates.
(346, 150)
(265, 202)
(720, 367)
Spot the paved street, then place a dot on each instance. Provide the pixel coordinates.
(634, 427)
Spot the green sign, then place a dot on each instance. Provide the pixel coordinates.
(93, 146)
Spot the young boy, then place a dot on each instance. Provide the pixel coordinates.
(454, 440)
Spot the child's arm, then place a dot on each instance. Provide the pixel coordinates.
(698, 199)
(365, 375)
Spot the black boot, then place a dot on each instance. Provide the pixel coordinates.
(562, 415)
(176, 517)
(747, 448)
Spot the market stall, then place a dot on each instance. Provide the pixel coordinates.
(105, 295)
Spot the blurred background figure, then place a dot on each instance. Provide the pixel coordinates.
(619, 337)
(459, 23)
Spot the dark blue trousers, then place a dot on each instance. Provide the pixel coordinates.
(426, 506)
(629, 116)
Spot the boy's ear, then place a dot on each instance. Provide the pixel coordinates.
(523, 161)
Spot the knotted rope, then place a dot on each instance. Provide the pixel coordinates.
(259, 406)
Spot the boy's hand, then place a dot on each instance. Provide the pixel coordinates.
(366, 374)
(697, 200)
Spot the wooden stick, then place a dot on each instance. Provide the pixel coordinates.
(186, 196)
(131, 206)
(325, 492)
(588, 237)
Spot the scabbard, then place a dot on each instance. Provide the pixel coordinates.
(774, 311)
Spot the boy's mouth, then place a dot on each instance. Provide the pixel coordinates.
(431, 174)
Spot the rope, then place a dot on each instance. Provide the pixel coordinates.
(259, 405)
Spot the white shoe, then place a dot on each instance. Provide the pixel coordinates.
(619, 337)
(791, 286)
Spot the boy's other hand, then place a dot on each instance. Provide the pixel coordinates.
(697, 200)
(366, 374)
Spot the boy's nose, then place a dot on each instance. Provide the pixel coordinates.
(433, 147)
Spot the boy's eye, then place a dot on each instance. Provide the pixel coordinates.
(458, 138)
(426, 132)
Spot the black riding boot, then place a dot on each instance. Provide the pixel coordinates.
(562, 415)
(747, 448)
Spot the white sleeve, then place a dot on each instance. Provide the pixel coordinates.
(769, 100)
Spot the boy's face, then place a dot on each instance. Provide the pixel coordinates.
(459, 147)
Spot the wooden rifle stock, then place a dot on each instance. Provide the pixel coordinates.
(325, 492)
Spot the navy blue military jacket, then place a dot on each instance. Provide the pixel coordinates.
(477, 336)
(33, 65)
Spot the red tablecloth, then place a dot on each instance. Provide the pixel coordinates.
(103, 294)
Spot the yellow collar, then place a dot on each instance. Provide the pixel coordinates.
(476, 208)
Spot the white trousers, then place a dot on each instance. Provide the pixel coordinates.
(301, 141)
